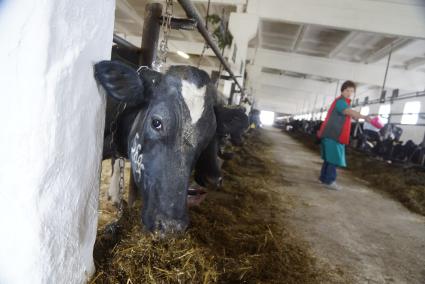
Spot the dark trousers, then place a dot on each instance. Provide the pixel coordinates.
(328, 173)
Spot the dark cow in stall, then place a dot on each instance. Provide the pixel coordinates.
(231, 122)
(167, 129)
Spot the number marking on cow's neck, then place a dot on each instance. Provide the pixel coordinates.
(137, 156)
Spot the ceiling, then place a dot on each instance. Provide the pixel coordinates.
(301, 40)
(352, 46)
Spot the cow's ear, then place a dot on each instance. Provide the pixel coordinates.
(120, 81)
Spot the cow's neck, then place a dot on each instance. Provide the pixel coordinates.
(124, 128)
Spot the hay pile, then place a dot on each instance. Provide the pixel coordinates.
(406, 185)
(238, 235)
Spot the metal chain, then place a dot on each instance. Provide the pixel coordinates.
(121, 163)
(114, 124)
(161, 57)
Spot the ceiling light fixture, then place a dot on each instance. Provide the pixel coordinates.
(182, 54)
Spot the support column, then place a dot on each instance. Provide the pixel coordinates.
(243, 28)
(150, 35)
(52, 135)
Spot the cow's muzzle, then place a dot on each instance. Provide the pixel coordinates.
(164, 226)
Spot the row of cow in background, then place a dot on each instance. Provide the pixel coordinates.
(385, 144)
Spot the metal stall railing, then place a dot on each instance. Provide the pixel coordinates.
(193, 13)
(151, 34)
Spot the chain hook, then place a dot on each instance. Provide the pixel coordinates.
(161, 57)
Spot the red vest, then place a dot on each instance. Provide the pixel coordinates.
(336, 126)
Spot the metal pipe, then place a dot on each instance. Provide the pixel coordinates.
(403, 97)
(386, 69)
(150, 36)
(124, 43)
(192, 12)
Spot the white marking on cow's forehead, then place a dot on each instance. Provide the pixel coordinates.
(194, 98)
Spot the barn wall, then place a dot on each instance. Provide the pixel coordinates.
(52, 127)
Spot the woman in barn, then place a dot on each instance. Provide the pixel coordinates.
(335, 134)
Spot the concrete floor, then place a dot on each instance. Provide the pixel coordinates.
(373, 237)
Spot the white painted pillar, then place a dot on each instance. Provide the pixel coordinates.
(52, 118)
(243, 28)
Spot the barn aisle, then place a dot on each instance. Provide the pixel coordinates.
(356, 228)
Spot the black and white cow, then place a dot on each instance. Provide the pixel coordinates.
(168, 123)
(232, 122)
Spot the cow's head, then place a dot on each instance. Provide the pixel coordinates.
(232, 122)
(167, 135)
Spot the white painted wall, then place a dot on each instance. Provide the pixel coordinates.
(51, 137)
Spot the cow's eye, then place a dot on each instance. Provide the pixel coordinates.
(156, 124)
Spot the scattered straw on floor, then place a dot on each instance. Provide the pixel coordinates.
(406, 185)
(238, 235)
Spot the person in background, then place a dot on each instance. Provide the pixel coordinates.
(254, 118)
(335, 134)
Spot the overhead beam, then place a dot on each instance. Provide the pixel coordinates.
(276, 35)
(284, 96)
(216, 2)
(393, 46)
(343, 44)
(175, 45)
(223, 2)
(321, 51)
(343, 70)
(274, 46)
(415, 63)
(124, 7)
(288, 101)
(298, 84)
(260, 33)
(189, 47)
(267, 104)
(298, 37)
(274, 103)
(121, 28)
(403, 18)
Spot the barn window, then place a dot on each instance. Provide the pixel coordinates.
(410, 112)
(384, 112)
(266, 117)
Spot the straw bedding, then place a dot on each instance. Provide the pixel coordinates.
(237, 235)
